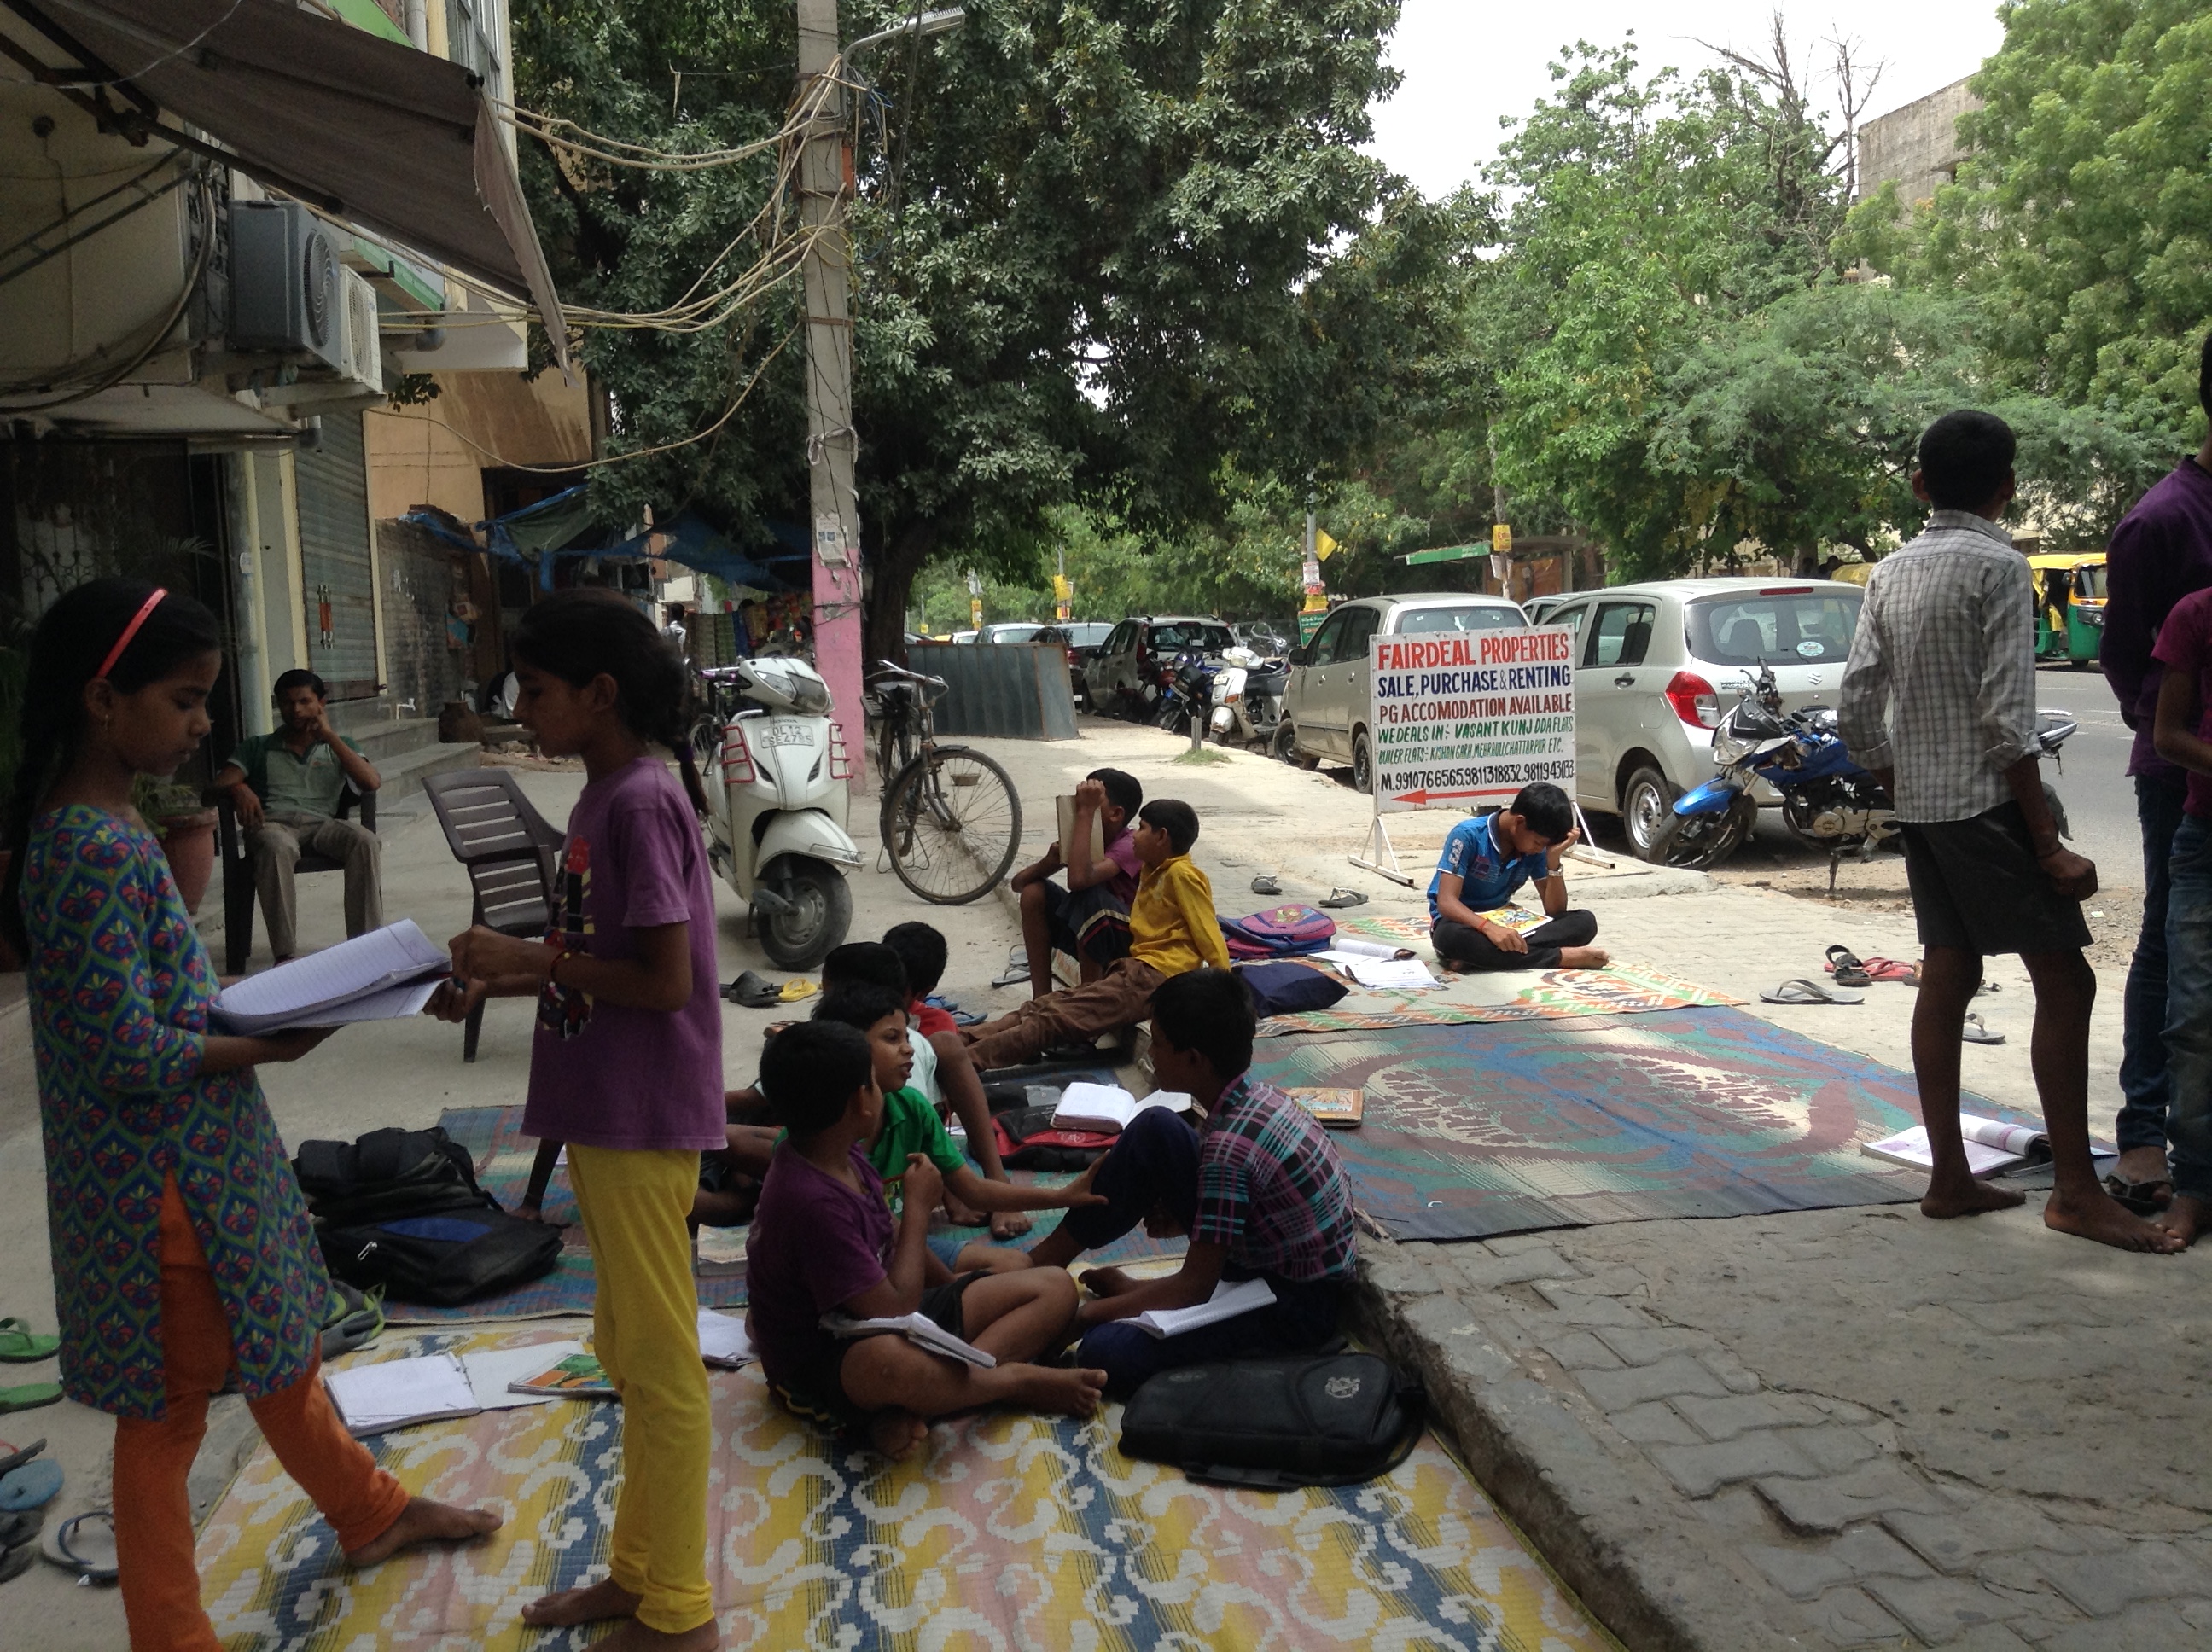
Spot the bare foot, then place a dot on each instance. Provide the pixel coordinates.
(1009, 1224)
(962, 1217)
(424, 1521)
(1967, 1198)
(1584, 957)
(635, 1637)
(1048, 1388)
(897, 1434)
(2184, 1218)
(2105, 1220)
(596, 1604)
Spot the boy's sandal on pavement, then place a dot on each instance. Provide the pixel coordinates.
(20, 1528)
(1896, 969)
(1847, 967)
(1343, 897)
(32, 1486)
(1267, 883)
(20, 1346)
(29, 1397)
(1800, 990)
(2143, 1198)
(752, 991)
(17, 1561)
(1975, 1033)
(12, 1459)
(85, 1544)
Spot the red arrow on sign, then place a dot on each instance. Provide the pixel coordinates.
(1418, 798)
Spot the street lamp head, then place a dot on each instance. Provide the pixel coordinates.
(921, 27)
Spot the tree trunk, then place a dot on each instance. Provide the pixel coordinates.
(892, 573)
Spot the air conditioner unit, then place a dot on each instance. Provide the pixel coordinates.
(364, 356)
(285, 294)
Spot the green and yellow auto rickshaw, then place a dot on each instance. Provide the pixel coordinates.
(2069, 606)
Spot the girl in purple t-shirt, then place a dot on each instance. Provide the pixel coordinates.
(627, 1070)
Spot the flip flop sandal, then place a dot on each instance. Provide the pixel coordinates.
(1800, 991)
(29, 1397)
(20, 1528)
(32, 1486)
(16, 1561)
(753, 992)
(85, 1544)
(2141, 1196)
(1975, 1033)
(1344, 897)
(1896, 969)
(1847, 967)
(15, 1459)
(22, 1345)
(792, 991)
(1267, 883)
(1017, 969)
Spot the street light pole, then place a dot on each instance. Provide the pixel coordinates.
(823, 175)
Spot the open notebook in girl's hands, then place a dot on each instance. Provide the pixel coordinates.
(384, 975)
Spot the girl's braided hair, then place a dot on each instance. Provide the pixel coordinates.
(71, 639)
(577, 636)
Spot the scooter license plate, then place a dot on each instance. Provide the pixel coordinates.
(782, 734)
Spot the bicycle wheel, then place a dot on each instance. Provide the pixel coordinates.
(952, 823)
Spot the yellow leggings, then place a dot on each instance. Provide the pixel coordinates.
(644, 1329)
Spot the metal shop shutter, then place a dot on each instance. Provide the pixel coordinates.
(339, 582)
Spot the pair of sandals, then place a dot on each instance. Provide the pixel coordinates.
(1268, 884)
(20, 1346)
(1852, 970)
(85, 1543)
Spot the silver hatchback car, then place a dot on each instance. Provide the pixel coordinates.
(1326, 706)
(1657, 666)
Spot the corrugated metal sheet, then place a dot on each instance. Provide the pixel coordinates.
(340, 584)
(1015, 690)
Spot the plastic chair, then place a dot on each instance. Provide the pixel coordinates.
(238, 891)
(508, 851)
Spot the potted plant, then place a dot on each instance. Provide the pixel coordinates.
(187, 827)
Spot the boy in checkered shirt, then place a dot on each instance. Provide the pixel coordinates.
(1257, 1187)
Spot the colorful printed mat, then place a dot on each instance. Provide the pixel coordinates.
(503, 1156)
(1493, 996)
(1474, 1131)
(1008, 1531)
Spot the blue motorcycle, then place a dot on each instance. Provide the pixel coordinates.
(1828, 800)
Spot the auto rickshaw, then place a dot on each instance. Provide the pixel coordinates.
(2069, 606)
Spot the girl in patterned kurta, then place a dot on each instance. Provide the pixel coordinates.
(182, 1252)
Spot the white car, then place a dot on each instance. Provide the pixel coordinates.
(1015, 631)
(1326, 705)
(1657, 666)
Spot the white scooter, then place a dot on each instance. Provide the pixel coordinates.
(776, 774)
(1248, 698)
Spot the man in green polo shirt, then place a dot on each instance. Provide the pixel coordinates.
(286, 787)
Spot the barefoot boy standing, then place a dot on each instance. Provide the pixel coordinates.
(1939, 701)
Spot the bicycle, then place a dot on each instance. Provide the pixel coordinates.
(951, 822)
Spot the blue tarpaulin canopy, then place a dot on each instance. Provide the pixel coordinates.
(561, 526)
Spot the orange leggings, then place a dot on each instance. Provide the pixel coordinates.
(159, 1581)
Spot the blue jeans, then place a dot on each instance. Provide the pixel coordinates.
(2189, 1009)
(2144, 1083)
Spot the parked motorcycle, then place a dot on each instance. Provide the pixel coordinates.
(1248, 698)
(776, 774)
(1186, 693)
(1827, 800)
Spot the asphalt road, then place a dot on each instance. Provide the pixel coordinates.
(2100, 798)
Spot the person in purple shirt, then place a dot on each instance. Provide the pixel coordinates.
(2160, 552)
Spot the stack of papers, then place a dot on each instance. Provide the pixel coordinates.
(384, 975)
(1392, 974)
(917, 1328)
(1108, 1108)
(724, 1341)
(1227, 1302)
(579, 1377)
(1344, 948)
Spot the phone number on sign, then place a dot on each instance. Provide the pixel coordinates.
(1402, 780)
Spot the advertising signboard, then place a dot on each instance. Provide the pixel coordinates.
(1461, 719)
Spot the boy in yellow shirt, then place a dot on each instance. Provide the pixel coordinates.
(1172, 930)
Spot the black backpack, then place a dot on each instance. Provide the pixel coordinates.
(402, 1210)
(1277, 1422)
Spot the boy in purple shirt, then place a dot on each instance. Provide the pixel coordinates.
(823, 1242)
(1089, 917)
(2160, 552)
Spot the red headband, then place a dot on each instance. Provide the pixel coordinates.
(129, 632)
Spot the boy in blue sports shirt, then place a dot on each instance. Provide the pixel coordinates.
(1484, 861)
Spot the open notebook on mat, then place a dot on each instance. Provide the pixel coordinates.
(1108, 1107)
(384, 975)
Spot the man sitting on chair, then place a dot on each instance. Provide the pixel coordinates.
(286, 787)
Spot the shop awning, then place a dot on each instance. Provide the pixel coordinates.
(361, 128)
